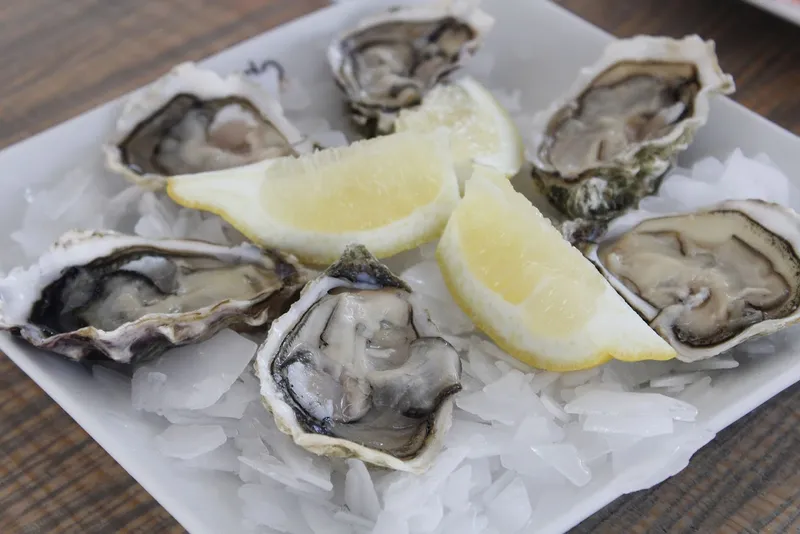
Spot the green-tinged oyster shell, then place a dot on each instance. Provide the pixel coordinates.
(610, 141)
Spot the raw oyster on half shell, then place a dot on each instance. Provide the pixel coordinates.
(709, 280)
(356, 368)
(192, 120)
(610, 141)
(390, 60)
(106, 295)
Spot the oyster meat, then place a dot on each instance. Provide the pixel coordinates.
(105, 295)
(192, 120)
(356, 368)
(618, 131)
(709, 280)
(390, 60)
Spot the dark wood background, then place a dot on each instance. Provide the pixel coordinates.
(60, 58)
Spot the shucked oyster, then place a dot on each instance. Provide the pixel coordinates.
(710, 280)
(389, 61)
(192, 120)
(356, 368)
(125, 298)
(608, 143)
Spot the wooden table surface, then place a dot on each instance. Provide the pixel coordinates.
(60, 58)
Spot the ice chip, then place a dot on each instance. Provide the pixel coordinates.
(189, 441)
(426, 518)
(738, 180)
(269, 506)
(629, 403)
(652, 460)
(466, 522)
(273, 469)
(576, 378)
(710, 364)
(192, 377)
(496, 352)
(506, 400)
(481, 439)
(223, 458)
(457, 488)
(321, 521)
(511, 509)
(554, 408)
(481, 365)
(406, 493)
(677, 380)
(590, 445)
(390, 523)
(708, 170)
(234, 402)
(637, 425)
(497, 486)
(352, 519)
(542, 379)
(633, 374)
(565, 458)
(696, 391)
(360, 495)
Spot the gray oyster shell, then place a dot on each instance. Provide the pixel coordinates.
(356, 368)
(610, 140)
(390, 60)
(192, 120)
(708, 280)
(109, 296)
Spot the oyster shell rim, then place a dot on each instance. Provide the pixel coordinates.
(284, 415)
(690, 48)
(175, 329)
(467, 11)
(755, 210)
(189, 78)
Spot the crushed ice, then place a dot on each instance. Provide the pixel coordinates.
(524, 443)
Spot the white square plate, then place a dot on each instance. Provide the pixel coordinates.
(539, 48)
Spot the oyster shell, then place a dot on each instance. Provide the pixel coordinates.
(609, 142)
(106, 295)
(356, 368)
(709, 280)
(390, 60)
(192, 120)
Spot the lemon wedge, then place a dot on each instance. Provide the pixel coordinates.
(390, 194)
(481, 131)
(532, 292)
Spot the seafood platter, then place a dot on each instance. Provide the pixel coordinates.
(446, 266)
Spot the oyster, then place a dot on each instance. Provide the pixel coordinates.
(356, 368)
(609, 142)
(709, 280)
(192, 120)
(105, 295)
(389, 61)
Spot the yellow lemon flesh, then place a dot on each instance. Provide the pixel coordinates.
(481, 132)
(390, 194)
(532, 292)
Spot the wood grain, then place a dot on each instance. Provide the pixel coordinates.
(62, 58)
